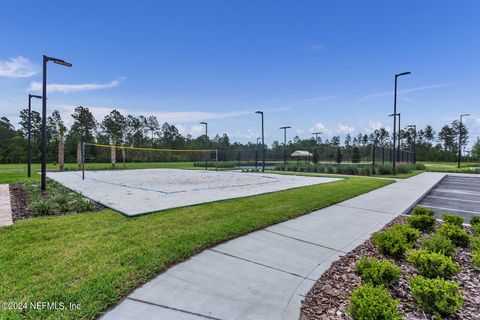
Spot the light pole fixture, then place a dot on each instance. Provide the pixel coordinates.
(316, 134)
(414, 127)
(263, 141)
(460, 138)
(29, 134)
(206, 142)
(394, 164)
(284, 142)
(44, 114)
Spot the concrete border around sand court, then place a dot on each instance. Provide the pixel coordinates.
(139, 196)
(6, 218)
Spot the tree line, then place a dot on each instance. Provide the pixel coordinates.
(147, 131)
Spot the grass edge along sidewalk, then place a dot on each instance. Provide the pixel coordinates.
(95, 259)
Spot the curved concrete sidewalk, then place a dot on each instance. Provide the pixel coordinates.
(265, 275)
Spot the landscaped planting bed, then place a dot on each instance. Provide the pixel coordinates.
(414, 268)
(29, 201)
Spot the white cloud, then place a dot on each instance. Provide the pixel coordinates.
(245, 134)
(376, 125)
(316, 47)
(345, 129)
(18, 67)
(320, 127)
(300, 131)
(316, 99)
(422, 88)
(68, 88)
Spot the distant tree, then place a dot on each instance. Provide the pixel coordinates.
(114, 126)
(356, 155)
(153, 126)
(475, 152)
(447, 137)
(84, 123)
(348, 140)
(315, 156)
(335, 141)
(338, 156)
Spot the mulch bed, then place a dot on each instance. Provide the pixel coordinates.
(19, 201)
(328, 299)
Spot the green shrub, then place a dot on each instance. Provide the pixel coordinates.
(421, 211)
(432, 264)
(475, 220)
(372, 303)
(436, 296)
(420, 166)
(458, 235)
(62, 202)
(420, 222)
(453, 219)
(476, 229)
(440, 244)
(476, 259)
(396, 240)
(384, 169)
(378, 272)
(41, 207)
(475, 243)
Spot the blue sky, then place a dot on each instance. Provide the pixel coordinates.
(313, 65)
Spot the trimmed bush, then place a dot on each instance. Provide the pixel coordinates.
(456, 234)
(396, 240)
(420, 166)
(421, 222)
(436, 296)
(453, 219)
(476, 259)
(421, 211)
(41, 207)
(476, 229)
(440, 244)
(432, 264)
(372, 303)
(378, 272)
(475, 243)
(475, 220)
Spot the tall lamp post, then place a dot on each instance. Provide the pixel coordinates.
(316, 134)
(460, 138)
(394, 164)
(44, 115)
(394, 150)
(414, 127)
(29, 134)
(263, 141)
(399, 157)
(206, 142)
(284, 142)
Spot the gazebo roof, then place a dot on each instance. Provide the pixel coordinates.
(301, 153)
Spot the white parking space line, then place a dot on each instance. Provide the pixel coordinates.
(451, 209)
(458, 191)
(446, 198)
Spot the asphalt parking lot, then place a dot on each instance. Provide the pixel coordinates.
(458, 195)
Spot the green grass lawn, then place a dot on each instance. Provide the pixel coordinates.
(452, 167)
(95, 259)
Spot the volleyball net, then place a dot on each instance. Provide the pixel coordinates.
(101, 156)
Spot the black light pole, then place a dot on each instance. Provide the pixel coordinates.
(256, 153)
(316, 134)
(284, 142)
(414, 127)
(263, 142)
(206, 142)
(394, 164)
(399, 137)
(394, 150)
(29, 135)
(460, 139)
(44, 115)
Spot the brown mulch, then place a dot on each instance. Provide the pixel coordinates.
(19, 201)
(328, 299)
